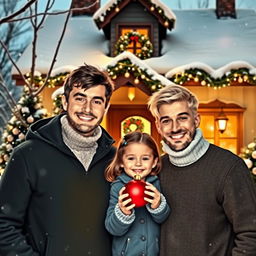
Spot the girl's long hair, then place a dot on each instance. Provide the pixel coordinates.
(114, 169)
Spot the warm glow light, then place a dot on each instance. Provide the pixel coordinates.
(136, 80)
(127, 74)
(131, 93)
(222, 121)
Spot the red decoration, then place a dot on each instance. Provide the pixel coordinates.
(134, 38)
(135, 189)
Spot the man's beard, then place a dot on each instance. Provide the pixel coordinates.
(185, 144)
(88, 131)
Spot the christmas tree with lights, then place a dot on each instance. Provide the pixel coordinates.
(29, 109)
(249, 156)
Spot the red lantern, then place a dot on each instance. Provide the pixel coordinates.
(135, 188)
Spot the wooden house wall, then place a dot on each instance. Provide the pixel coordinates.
(135, 13)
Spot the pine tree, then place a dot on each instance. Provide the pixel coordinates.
(249, 156)
(29, 110)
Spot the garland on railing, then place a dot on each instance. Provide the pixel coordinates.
(134, 36)
(241, 75)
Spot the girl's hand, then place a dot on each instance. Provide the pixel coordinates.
(124, 202)
(154, 196)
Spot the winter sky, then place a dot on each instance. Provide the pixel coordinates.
(173, 4)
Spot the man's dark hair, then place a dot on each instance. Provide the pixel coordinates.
(88, 76)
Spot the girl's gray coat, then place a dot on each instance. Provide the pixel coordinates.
(141, 237)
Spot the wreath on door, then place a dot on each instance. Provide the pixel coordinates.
(133, 124)
(133, 36)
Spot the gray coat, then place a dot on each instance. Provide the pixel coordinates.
(141, 235)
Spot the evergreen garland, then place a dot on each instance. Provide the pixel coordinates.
(133, 36)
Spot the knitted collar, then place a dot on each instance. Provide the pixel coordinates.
(195, 150)
(75, 140)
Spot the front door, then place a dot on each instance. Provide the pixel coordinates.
(119, 121)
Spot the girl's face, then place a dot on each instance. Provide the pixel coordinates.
(138, 159)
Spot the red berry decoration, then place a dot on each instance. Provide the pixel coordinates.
(135, 188)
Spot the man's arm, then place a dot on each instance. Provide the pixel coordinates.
(239, 203)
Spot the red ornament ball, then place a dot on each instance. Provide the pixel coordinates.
(135, 189)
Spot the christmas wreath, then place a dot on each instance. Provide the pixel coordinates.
(133, 124)
(133, 36)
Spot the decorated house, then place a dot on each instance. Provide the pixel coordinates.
(144, 45)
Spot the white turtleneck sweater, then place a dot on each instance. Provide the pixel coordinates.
(194, 151)
(84, 148)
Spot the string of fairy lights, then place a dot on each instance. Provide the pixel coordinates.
(126, 68)
(200, 77)
(52, 81)
(153, 8)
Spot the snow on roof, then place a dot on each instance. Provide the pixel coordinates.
(63, 69)
(167, 11)
(218, 73)
(102, 11)
(199, 37)
(138, 62)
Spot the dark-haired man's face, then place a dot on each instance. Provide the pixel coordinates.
(85, 108)
(177, 124)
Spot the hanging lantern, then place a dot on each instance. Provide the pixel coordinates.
(221, 121)
(131, 93)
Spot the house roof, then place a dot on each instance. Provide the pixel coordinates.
(105, 13)
(199, 38)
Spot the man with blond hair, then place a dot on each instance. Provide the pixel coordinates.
(210, 190)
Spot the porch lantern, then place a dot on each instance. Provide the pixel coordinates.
(131, 93)
(222, 121)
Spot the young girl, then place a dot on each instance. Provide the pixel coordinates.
(135, 230)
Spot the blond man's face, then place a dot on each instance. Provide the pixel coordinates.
(177, 124)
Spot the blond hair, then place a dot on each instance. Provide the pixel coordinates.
(170, 94)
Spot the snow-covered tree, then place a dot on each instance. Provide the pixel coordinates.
(15, 36)
(249, 156)
(28, 110)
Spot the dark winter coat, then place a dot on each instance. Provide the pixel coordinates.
(49, 205)
(141, 237)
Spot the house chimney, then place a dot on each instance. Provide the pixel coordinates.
(95, 5)
(226, 8)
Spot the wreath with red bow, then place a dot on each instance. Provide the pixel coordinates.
(127, 125)
(133, 36)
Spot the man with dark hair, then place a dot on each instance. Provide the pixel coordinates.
(53, 194)
(212, 195)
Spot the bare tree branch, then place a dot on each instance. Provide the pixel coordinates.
(54, 13)
(21, 10)
(14, 63)
(55, 54)
(34, 42)
(47, 8)
(13, 102)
